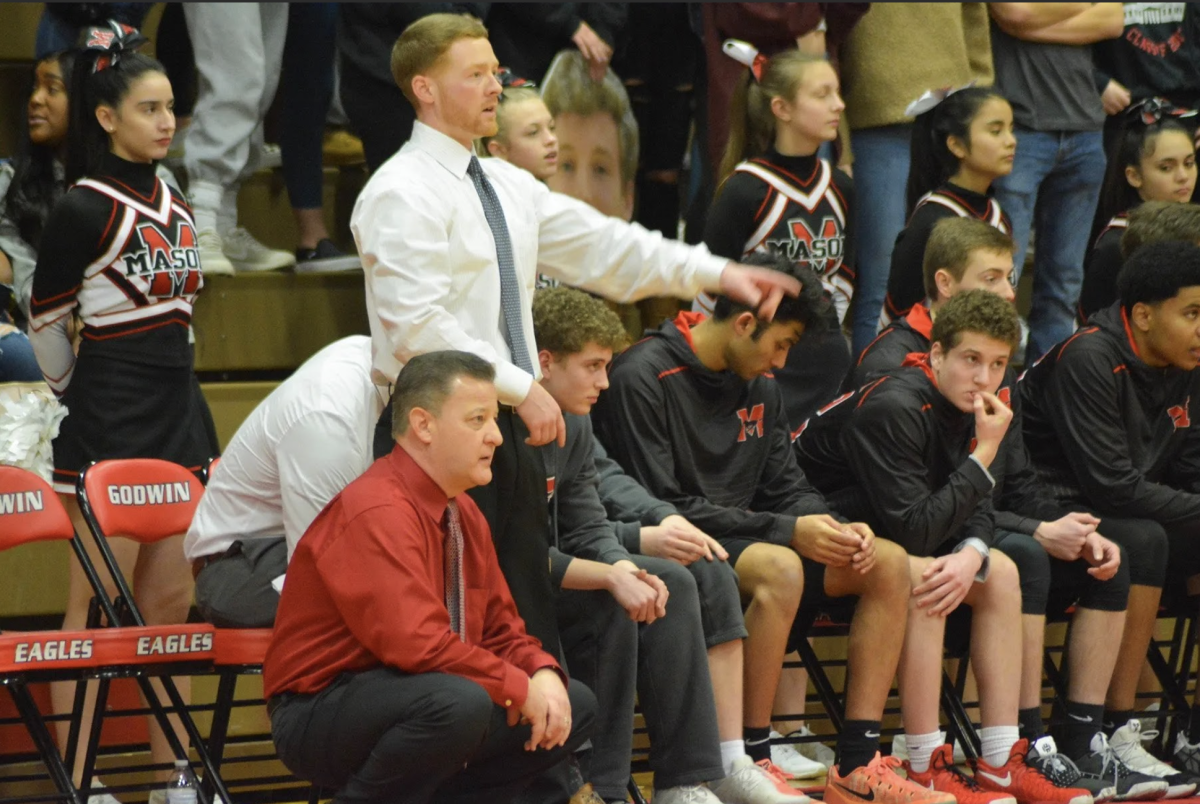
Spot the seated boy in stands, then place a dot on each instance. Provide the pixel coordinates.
(1045, 539)
(910, 453)
(695, 416)
(1109, 429)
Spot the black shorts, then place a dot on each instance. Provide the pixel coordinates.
(119, 409)
(814, 602)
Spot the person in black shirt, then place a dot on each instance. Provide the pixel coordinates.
(1108, 425)
(1044, 538)
(1150, 161)
(694, 415)
(915, 453)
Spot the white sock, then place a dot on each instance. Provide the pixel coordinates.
(731, 750)
(921, 748)
(996, 743)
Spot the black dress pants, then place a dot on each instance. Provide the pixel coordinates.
(385, 737)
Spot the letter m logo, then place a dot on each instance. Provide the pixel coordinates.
(1179, 414)
(751, 422)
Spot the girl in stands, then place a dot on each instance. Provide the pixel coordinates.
(29, 186)
(119, 251)
(524, 129)
(1154, 159)
(962, 141)
(776, 194)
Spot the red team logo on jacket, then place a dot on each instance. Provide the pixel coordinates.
(173, 261)
(821, 251)
(752, 422)
(1179, 414)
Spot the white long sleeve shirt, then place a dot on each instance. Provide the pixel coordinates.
(432, 278)
(300, 447)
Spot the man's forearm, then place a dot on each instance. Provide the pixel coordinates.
(1021, 19)
(1099, 22)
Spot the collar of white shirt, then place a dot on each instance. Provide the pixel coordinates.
(446, 151)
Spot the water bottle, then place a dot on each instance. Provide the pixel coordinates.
(181, 789)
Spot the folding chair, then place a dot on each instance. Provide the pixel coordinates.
(146, 500)
(30, 511)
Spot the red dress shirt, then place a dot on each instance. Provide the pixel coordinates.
(366, 588)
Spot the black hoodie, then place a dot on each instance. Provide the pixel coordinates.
(896, 454)
(710, 443)
(1107, 430)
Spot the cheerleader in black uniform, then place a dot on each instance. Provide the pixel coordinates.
(119, 252)
(1154, 160)
(777, 194)
(962, 141)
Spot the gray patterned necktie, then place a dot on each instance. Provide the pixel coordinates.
(510, 293)
(455, 587)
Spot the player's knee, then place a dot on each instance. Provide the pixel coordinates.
(1003, 586)
(890, 578)
(779, 580)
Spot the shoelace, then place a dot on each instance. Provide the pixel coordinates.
(962, 778)
(1057, 768)
(774, 771)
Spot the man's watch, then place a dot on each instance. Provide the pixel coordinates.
(985, 553)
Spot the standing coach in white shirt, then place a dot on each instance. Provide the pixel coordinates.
(294, 453)
(451, 248)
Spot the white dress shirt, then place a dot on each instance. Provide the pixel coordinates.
(432, 278)
(302, 445)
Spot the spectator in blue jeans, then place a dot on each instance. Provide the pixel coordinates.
(894, 53)
(1044, 69)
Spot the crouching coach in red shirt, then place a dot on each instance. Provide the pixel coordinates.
(399, 670)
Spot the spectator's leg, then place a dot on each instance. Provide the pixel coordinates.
(231, 67)
(174, 50)
(379, 113)
(17, 361)
(881, 157)
(54, 34)
(1068, 204)
(307, 90)
(1018, 191)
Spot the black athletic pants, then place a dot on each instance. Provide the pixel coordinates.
(665, 664)
(384, 737)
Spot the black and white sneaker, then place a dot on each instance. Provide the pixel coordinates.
(325, 258)
(1187, 755)
(1103, 764)
(1061, 772)
(1127, 742)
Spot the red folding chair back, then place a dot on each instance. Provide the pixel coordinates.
(30, 510)
(144, 499)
